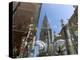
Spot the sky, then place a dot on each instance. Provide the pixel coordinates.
(54, 13)
(57, 12)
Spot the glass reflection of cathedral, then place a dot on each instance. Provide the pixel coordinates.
(46, 35)
(24, 27)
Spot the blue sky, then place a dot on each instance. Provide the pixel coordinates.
(54, 13)
(57, 12)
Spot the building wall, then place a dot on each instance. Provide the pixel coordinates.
(26, 14)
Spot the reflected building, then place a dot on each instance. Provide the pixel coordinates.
(46, 36)
(24, 23)
(72, 26)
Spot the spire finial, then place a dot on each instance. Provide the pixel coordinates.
(62, 22)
